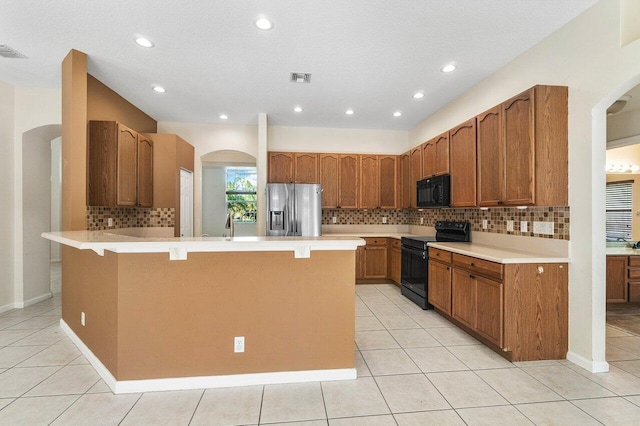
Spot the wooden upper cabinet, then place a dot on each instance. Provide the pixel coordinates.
(120, 166)
(519, 155)
(369, 186)
(126, 167)
(463, 164)
(388, 181)
(145, 171)
(416, 174)
(348, 181)
(280, 167)
(305, 167)
(490, 151)
(442, 154)
(429, 158)
(329, 180)
(405, 181)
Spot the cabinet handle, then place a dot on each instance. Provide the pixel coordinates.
(472, 277)
(447, 268)
(472, 264)
(500, 202)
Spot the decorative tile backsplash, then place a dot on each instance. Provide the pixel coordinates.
(496, 217)
(127, 217)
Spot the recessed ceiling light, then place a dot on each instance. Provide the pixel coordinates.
(264, 24)
(349, 112)
(397, 114)
(418, 95)
(297, 109)
(224, 117)
(448, 68)
(159, 89)
(141, 41)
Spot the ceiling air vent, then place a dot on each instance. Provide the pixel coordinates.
(300, 77)
(8, 52)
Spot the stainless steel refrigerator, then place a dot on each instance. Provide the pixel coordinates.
(294, 209)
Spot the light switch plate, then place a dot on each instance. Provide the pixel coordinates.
(524, 226)
(334, 219)
(422, 221)
(485, 223)
(384, 219)
(544, 228)
(509, 226)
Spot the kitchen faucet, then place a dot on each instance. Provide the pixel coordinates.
(229, 224)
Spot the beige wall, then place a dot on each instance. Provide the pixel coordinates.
(6, 196)
(624, 125)
(587, 56)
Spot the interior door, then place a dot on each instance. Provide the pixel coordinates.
(186, 203)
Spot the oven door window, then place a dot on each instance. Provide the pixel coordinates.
(414, 271)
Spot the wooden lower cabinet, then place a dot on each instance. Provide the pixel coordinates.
(359, 263)
(616, 279)
(519, 310)
(395, 259)
(375, 258)
(439, 292)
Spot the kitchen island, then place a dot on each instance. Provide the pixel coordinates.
(165, 313)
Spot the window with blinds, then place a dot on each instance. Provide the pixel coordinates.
(619, 210)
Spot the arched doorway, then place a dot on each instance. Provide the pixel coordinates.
(219, 170)
(41, 177)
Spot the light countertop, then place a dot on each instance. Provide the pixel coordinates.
(178, 247)
(622, 251)
(498, 254)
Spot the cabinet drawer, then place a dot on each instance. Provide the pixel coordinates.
(634, 260)
(634, 292)
(440, 255)
(634, 273)
(480, 266)
(376, 241)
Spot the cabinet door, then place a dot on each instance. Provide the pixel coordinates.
(280, 167)
(442, 154)
(388, 181)
(396, 262)
(519, 139)
(369, 185)
(305, 167)
(429, 158)
(439, 291)
(348, 181)
(490, 158)
(126, 167)
(145, 172)
(489, 308)
(360, 263)
(329, 180)
(616, 279)
(463, 164)
(375, 261)
(416, 174)
(463, 297)
(405, 181)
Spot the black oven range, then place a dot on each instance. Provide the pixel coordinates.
(415, 259)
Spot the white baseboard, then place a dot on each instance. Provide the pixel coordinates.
(589, 365)
(34, 300)
(7, 307)
(184, 383)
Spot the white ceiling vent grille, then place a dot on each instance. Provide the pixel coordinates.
(300, 77)
(8, 52)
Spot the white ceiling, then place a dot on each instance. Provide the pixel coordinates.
(369, 55)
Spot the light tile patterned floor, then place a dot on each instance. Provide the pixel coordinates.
(414, 368)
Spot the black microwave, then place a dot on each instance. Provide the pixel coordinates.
(434, 192)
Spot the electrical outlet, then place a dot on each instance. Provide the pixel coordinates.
(422, 221)
(238, 344)
(524, 226)
(384, 219)
(334, 219)
(509, 226)
(110, 222)
(82, 319)
(485, 223)
(544, 228)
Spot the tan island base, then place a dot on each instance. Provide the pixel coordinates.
(147, 317)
